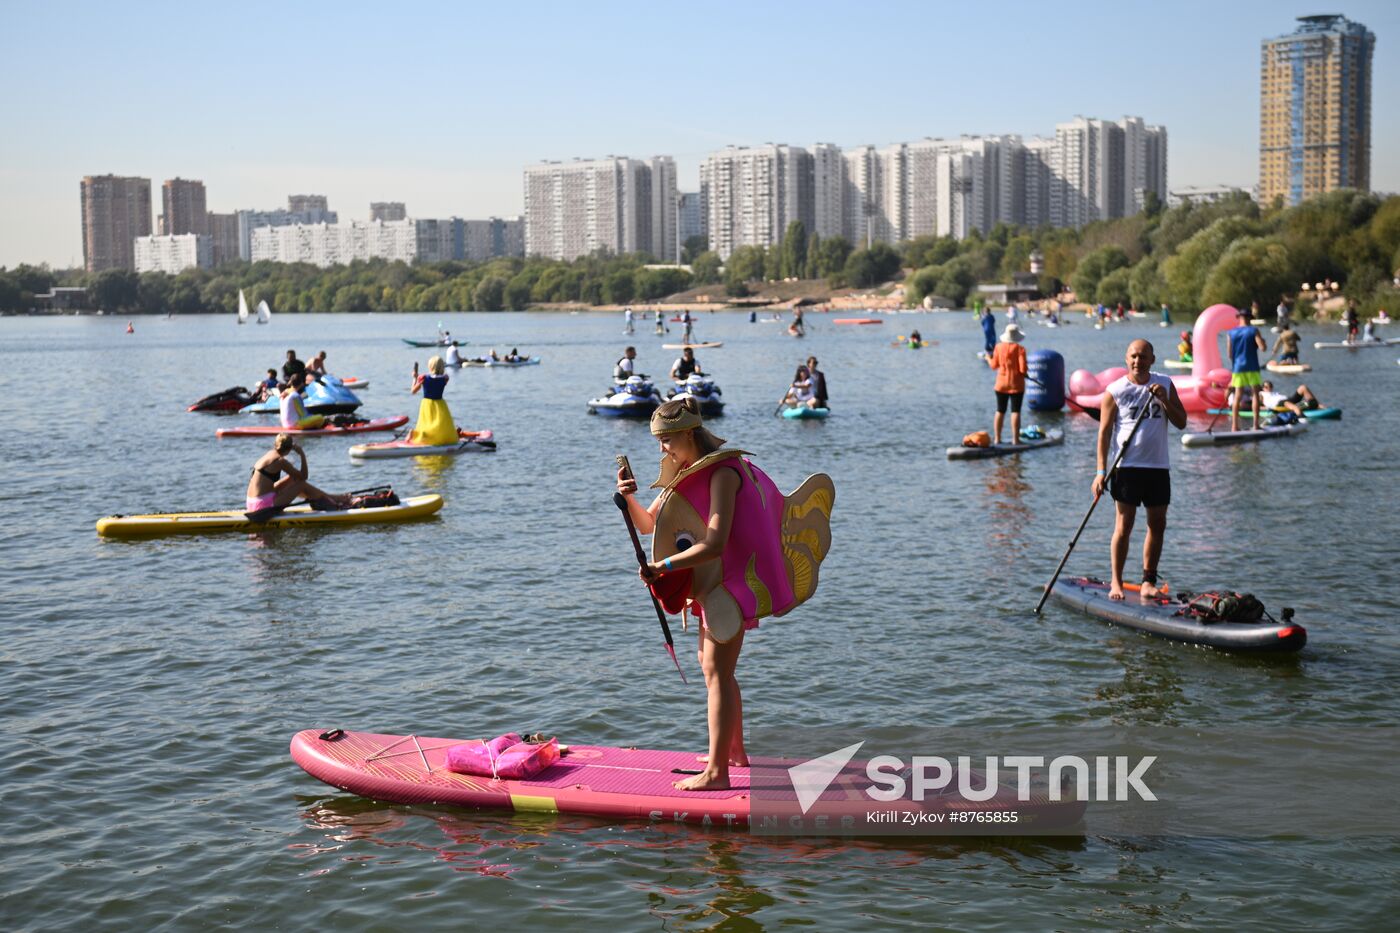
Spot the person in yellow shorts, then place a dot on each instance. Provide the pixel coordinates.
(435, 426)
(1245, 344)
(293, 409)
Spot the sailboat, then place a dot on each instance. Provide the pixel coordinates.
(242, 308)
(264, 313)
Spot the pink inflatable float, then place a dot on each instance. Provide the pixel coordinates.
(1203, 389)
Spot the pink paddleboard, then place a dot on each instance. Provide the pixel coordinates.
(264, 430)
(590, 780)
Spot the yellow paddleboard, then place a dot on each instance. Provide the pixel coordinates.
(173, 523)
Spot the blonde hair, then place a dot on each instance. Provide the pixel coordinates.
(282, 443)
(436, 366)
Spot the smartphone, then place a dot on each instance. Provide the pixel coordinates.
(626, 465)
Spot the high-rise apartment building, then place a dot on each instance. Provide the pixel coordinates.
(248, 221)
(828, 191)
(1315, 109)
(690, 218)
(575, 208)
(183, 208)
(1106, 169)
(308, 203)
(173, 253)
(223, 237)
(387, 210)
(493, 238)
(115, 210)
(752, 194)
(337, 244)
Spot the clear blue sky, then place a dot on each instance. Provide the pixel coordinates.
(442, 105)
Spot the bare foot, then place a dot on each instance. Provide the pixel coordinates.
(709, 780)
(1149, 591)
(1115, 591)
(735, 761)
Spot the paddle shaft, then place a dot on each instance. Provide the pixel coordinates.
(621, 502)
(1082, 525)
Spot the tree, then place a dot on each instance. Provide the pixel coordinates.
(490, 294)
(1186, 271)
(1093, 267)
(867, 267)
(745, 264)
(619, 287)
(814, 243)
(1114, 288)
(1145, 287)
(1252, 269)
(693, 247)
(114, 289)
(706, 268)
(517, 294)
(793, 261)
(153, 291)
(832, 255)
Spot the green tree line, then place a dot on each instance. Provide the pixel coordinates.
(1190, 257)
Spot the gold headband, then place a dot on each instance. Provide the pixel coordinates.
(682, 420)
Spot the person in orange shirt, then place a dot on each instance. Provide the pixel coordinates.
(1009, 360)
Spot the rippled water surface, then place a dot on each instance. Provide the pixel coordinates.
(150, 688)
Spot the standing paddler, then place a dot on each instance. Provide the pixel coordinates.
(989, 331)
(1135, 410)
(730, 547)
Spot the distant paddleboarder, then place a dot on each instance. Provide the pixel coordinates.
(989, 331)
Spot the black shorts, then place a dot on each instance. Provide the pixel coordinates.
(1012, 398)
(1135, 486)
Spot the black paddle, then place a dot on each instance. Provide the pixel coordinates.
(1094, 413)
(1112, 470)
(621, 502)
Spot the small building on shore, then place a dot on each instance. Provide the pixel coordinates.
(62, 300)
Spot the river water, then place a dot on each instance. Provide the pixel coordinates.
(150, 688)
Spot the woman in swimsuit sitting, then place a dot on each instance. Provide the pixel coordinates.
(800, 392)
(275, 483)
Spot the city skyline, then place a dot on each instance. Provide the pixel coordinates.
(359, 135)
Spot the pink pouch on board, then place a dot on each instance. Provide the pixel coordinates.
(505, 756)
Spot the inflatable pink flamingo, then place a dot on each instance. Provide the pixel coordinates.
(1203, 389)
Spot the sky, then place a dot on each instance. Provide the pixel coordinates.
(442, 105)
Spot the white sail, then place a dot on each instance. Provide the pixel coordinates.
(242, 308)
(264, 313)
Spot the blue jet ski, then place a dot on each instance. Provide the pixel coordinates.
(327, 397)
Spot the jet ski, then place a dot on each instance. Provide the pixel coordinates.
(703, 390)
(327, 397)
(635, 398)
(232, 399)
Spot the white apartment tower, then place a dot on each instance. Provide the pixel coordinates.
(828, 177)
(1107, 168)
(575, 208)
(750, 195)
(173, 253)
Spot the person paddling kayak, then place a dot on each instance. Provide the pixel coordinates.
(275, 483)
(728, 545)
(435, 426)
(1143, 476)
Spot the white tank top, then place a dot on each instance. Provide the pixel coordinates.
(1149, 447)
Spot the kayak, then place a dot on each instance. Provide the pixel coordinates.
(1274, 366)
(433, 343)
(359, 427)
(1220, 438)
(1316, 414)
(1178, 364)
(623, 784)
(1169, 618)
(802, 411)
(531, 361)
(1051, 439)
(471, 442)
(709, 344)
(856, 320)
(1359, 345)
(171, 523)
